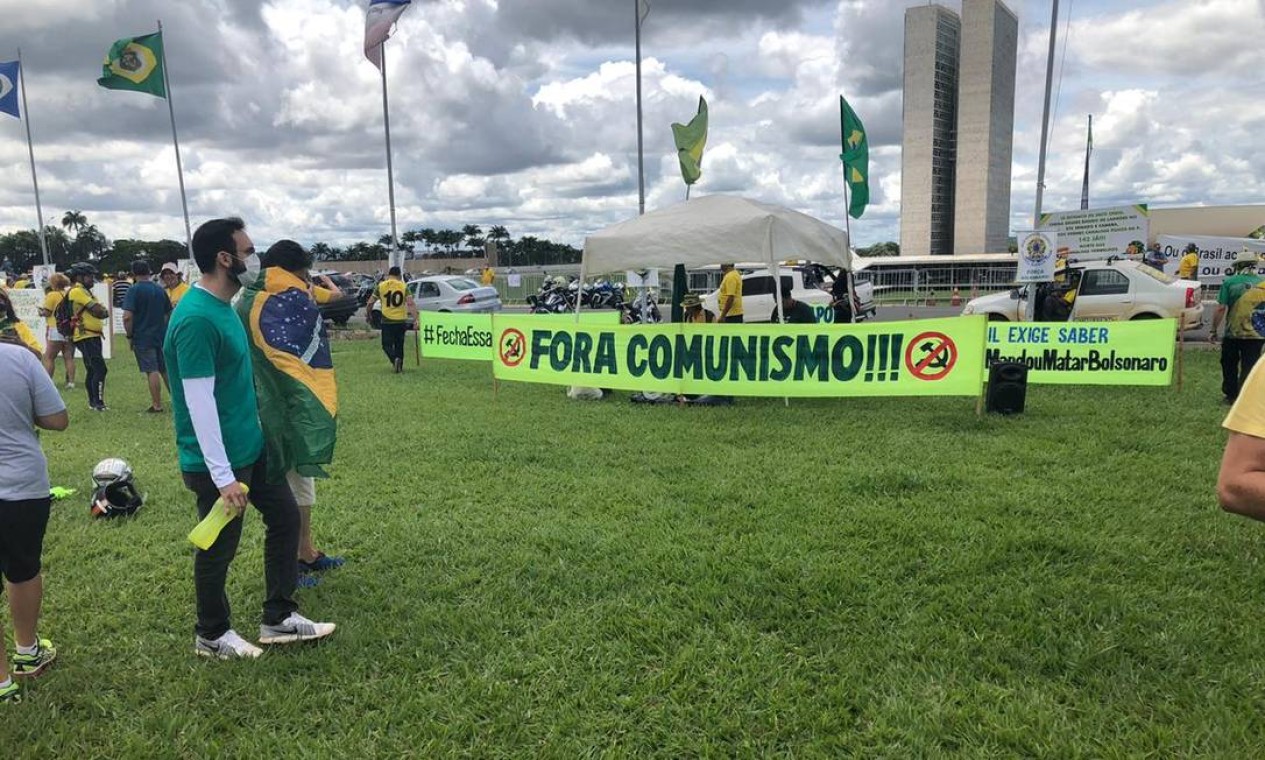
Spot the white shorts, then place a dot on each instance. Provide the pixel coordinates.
(54, 336)
(303, 488)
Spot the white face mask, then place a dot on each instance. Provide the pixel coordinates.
(250, 274)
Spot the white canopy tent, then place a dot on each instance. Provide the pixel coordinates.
(715, 229)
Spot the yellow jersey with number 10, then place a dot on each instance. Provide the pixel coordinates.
(394, 296)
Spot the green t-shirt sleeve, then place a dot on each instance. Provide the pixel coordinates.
(1223, 295)
(196, 342)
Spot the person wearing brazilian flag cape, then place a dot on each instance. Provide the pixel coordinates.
(294, 376)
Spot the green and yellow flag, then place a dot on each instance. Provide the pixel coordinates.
(856, 159)
(135, 63)
(690, 140)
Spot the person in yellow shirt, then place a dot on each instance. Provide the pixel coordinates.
(90, 315)
(172, 281)
(56, 343)
(397, 310)
(1241, 483)
(14, 330)
(730, 296)
(1188, 269)
(489, 275)
(22, 283)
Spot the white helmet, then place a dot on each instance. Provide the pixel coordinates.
(108, 471)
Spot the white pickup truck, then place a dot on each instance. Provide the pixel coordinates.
(809, 283)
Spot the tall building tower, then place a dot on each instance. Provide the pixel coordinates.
(929, 145)
(986, 125)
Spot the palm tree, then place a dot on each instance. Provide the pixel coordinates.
(321, 251)
(474, 238)
(498, 233)
(427, 234)
(74, 221)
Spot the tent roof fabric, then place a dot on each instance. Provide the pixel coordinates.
(714, 229)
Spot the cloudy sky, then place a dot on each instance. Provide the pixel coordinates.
(521, 112)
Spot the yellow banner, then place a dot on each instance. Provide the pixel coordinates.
(1088, 353)
(445, 335)
(943, 357)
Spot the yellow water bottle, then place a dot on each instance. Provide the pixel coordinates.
(204, 533)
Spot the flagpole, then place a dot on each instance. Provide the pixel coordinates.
(175, 140)
(847, 227)
(641, 153)
(1045, 136)
(30, 148)
(1089, 148)
(386, 120)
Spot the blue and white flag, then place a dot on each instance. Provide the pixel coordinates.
(382, 14)
(9, 89)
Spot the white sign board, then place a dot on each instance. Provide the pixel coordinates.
(515, 280)
(1215, 254)
(1038, 253)
(27, 303)
(41, 274)
(1099, 231)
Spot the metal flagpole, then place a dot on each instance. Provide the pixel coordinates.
(386, 118)
(1089, 149)
(1045, 136)
(30, 148)
(175, 139)
(847, 226)
(641, 155)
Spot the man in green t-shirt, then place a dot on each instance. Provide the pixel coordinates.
(221, 449)
(1240, 297)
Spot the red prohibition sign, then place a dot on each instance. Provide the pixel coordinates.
(939, 355)
(513, 348)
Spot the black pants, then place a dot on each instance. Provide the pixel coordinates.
(733, 320)
(1238, 356)
(94, 363)
(22, 526)
(393, 339)
(281, 550)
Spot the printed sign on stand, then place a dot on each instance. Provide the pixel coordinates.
(1038, 253)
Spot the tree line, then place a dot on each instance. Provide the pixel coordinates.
(77, 240)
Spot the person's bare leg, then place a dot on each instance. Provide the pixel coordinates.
(68, 359)
(155, 390)
(48, 367)
(24, 605)
(4, 660)
(307, 552)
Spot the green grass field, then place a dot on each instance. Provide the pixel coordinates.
(533, 577)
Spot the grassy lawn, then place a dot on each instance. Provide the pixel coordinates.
(530, 576)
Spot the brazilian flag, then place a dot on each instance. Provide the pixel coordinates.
(135, 63)
(691, 139)
(856, 159)
(294, 374)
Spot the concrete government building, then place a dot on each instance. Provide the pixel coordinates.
(959, 114)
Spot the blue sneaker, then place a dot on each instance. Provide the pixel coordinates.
(322, 563)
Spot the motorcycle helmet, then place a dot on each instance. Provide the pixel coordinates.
(116, 493)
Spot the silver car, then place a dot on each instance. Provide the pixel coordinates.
(453, 293)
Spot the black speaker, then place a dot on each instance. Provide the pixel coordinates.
(1007, 387)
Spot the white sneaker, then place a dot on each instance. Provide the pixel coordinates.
(294, 628)
(70, 386)
(230, 646)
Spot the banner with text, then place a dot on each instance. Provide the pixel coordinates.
(28, 301)
(1215, 254)
(941, 357)
(1090, 353)
(469, 336)
(1098, 231)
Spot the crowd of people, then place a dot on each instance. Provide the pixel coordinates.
(246, 433)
